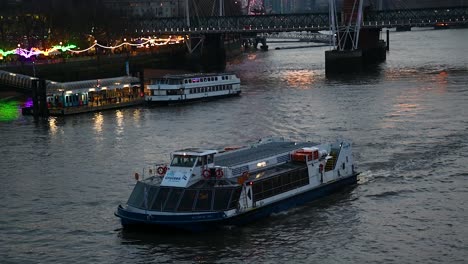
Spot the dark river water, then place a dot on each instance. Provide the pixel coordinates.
(61, 180)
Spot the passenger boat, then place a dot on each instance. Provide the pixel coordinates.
(68, 98)
(173, 89)
(203, 189)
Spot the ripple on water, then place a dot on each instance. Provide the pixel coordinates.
(62, 179)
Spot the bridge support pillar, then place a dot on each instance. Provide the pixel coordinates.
(343, 61)
(262, 40)
(388, 40)
(210, 56)
(371, 50)
(39, 97)
(403, 28)
(374, 50)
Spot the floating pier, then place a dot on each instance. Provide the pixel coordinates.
(65, 98)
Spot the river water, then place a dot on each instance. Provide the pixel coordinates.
(62, 179)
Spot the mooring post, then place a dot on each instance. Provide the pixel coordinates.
(42, 98)
(388, 40)
(35, 84)
(142, 83)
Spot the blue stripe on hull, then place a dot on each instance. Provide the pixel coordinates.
(213, 220)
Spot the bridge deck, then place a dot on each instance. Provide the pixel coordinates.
(298, 22)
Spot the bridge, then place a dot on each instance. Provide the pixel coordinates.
(357, 30)
(209, 37)
(299, 36)
(423, 17)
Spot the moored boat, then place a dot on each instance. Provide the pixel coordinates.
(203, 189)
(174, 89)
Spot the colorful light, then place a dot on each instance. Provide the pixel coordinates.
(29, 102)
(146, 42)
(35, 51)
(9, 110)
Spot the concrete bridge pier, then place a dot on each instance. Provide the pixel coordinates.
(371, 50)
(214, 53)
(207, 54)
(260, 39)
(343, 61)
(403, 28)
(39, 98)
(374, 50)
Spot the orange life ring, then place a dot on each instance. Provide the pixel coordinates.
(162, 170)
(219, 173)
(206, 174)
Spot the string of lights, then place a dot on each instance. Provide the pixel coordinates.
(144, 43)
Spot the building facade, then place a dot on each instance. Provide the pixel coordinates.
(147, 8)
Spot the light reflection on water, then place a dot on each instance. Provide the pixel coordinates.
(53, 125)
(63, 179)
(303, 79)
(98, 122)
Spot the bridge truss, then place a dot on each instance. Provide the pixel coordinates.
(296, 22)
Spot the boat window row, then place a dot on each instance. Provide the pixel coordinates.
(207, 79)
(174, 92)
(168, 81)
(279, 184)
(91, 98)
(211, 88)
(173, 199)
(183, 161)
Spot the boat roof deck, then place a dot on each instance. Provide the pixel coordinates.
(238, 157)
(193, 75)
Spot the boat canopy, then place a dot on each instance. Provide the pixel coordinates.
(94, 85)
(195, 152)
(191, 156)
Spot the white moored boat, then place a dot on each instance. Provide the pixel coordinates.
(173, 89)
(204, 189)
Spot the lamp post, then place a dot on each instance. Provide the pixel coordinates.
(61, 52)
(127, 66)
(97, 54)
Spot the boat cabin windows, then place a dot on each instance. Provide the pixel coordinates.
(161, 197)
(173, 199)
(269, 187)
(175, 91)
(183, 161)
(169, 81)
(188, 199)
(204, 200)
(205, 160)
(203, 89)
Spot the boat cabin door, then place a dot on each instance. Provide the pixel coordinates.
(204, 162)
(248, 196)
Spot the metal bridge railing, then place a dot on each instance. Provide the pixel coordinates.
(296, 22)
